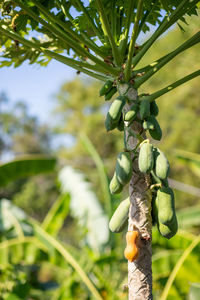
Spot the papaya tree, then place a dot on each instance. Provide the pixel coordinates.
(100, 38)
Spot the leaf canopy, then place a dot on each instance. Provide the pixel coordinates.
(92, 36)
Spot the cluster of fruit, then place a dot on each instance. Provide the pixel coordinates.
(151, 161)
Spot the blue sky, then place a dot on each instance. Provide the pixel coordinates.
(35, 85)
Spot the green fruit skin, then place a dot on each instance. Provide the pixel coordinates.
(106, 88)
(109, 95)
(156, 133)
(116, 108)
(115, 186)
(120, 217)
(114, 114)
(146, 158)
(165, 205)
(154, 110)
(120, 125)
(161, 164)
(124, 167)
(148, 125)
(132, 113)
(109, 123)
(168, 231)
(144, 109)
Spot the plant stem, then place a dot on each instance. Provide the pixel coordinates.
(65, 60)
(113, 21)
(165, 24)
(172, 86)
(108, 33)
(127, 71)
(156, 66)
(124, 42)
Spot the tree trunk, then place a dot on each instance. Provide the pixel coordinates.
(139, 271)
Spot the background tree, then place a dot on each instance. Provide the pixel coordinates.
(116, 59)
(22, 134)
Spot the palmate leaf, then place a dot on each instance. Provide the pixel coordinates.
(26, 166)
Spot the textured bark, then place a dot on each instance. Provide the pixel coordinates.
(139, 271)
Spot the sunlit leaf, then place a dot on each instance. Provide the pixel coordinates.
(26, 166)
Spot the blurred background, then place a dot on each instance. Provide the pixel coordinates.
(54, 238)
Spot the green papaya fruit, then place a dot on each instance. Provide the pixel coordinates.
(114, 113)
(124, 167)
(146, 158)
(111, 93)
(154, 110)
(115, 186)
(109, 123)
(165, 205)
(144, 109)
(106, 88)
(148, 125)
(120, 217)
(156, 133)
(120, 125)
(168, 231)
(161, 164)
(116, 108)
(132, 113)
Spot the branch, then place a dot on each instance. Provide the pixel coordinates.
(157, 65)
(172, 86)
(108, 33)
(127, 71)
(165, 24)
(113, 21)
(79, 66)
(124, 42)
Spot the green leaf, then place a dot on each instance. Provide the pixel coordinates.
(101, 170)
(178, 266)
(26, 166)
(55, 218)
(51, 243)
